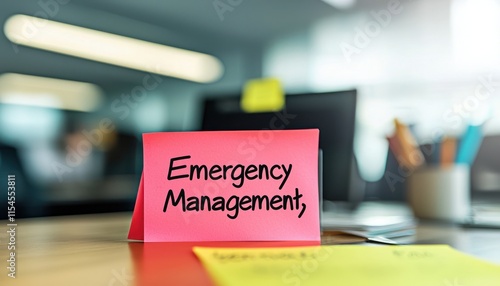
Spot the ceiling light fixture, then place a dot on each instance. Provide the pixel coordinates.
(32, 90)
(112, 49)
(341, 4)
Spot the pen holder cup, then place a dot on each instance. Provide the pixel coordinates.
(440, 193)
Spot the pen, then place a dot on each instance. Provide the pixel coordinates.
(469, 145)
(409, 147)
(448, 151)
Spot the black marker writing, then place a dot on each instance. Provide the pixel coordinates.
(234, 204)
(238, 173)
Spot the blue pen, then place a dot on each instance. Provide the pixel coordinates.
(469, 145)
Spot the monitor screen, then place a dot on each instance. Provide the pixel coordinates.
(333, 113)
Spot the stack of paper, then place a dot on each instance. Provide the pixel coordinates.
(386, 226)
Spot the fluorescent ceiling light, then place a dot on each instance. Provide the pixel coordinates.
(341, 4)
(49, 92)
(112, 49)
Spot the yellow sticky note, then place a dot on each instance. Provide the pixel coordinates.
(429, 265)
(263, 95)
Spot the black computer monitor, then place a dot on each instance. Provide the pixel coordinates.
(332, 112)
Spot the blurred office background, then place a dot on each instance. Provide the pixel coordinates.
(70, 126)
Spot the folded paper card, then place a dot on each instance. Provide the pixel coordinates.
(417, 265)
(228, 186)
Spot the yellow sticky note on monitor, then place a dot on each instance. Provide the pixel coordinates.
(416, 265)
(263, 95)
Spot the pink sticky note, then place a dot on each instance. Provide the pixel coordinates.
(229, 186)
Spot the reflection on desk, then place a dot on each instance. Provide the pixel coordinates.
(93, 250)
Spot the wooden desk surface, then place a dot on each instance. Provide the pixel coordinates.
(93, 250)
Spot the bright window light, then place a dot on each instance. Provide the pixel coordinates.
(49, 92)
(112, 49)
(475, 25)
